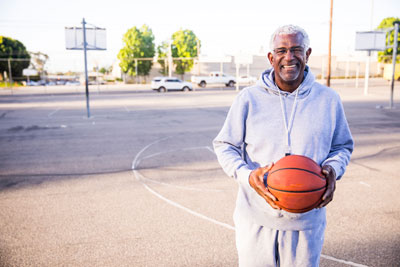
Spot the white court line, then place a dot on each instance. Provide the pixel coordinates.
(53, 112)
(182, 207)
(127, 110)
(342, 261)
(172, 150)
(142, 177)
(209, 148)
(365, 184)
(199, 215)
(171, 185)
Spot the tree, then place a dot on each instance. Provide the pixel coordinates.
(184, 44)
(13, 49)
(139, 43)
(386, 55)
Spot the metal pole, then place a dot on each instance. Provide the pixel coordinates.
(170, 62)
(86, 73)
(367, 73)
(136, 70)
(357, 73)
(198, 56)
(328, 76)
(237, 76)
(396, 32)
(10, 80)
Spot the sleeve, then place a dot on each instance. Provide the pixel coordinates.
(228, 145)
(342, 144)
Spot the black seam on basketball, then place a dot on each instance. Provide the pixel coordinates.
(287, 191)
(299, 169)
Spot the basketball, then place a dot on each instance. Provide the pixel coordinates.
(297, 182)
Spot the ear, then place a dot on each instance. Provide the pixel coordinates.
(308, 53)
(270, 58)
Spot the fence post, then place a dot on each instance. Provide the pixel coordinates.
(10, 80)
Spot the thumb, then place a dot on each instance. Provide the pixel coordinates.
(267, 168)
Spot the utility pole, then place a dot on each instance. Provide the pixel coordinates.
(328, 76)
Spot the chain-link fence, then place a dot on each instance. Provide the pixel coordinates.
(341, 67)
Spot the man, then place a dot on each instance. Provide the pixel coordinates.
(287, 112)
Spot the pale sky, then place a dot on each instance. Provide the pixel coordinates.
(224, 27)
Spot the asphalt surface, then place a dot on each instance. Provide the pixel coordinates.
(69, 196)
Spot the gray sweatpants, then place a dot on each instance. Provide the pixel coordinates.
(261, 246)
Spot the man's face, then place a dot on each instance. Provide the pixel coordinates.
(289, 59)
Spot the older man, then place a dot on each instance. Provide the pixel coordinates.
(287, 112)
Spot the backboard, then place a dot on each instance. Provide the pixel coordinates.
(370, 41)
(95, 38)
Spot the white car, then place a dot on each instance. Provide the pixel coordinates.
(163, 84)
(247, 79)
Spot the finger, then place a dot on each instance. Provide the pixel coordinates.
(324, 203)
(267, 168)
(270, 195)
(273, 205)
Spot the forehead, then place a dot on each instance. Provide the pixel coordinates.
(288, 40)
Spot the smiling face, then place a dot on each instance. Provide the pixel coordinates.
(289, 59)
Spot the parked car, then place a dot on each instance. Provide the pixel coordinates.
(247, 79)
(214, 77)
(163, 84)
(72, 83)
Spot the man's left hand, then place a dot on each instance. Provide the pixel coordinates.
(330, 176)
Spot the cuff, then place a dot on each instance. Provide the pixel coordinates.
(243, 175)
(336, 166)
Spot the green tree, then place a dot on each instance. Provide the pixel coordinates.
(184, 45)
(386, 55)
(13, 49)
(103, 70)
(139, 43)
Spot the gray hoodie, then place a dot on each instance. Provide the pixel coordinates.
(254, 135)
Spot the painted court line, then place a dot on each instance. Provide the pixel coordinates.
(53, 112)
(142, 177)
(199, 215)
(365, 184)
(172, 185)
(183, 207)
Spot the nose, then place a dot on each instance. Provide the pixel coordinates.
(289, 54)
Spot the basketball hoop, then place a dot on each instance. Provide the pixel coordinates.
(77, 38)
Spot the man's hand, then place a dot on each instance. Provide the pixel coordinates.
(330, 176)
(256, 180)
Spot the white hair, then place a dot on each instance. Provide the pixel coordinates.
(290, 29)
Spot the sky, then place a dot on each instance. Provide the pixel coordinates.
(224, 27)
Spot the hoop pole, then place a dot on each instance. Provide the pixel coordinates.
(396, 32)
(86, 73)
(366, 78)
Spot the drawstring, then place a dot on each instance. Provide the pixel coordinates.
(288, 127)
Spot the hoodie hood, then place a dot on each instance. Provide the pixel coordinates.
(267, 82)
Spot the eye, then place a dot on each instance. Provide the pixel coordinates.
(280, 51)
(297, 50)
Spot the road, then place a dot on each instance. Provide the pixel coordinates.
(137, 184)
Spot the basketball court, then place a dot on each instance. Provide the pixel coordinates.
(137, 183)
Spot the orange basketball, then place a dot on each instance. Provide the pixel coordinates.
(297, 182)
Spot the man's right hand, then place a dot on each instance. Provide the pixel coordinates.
(256, 180)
